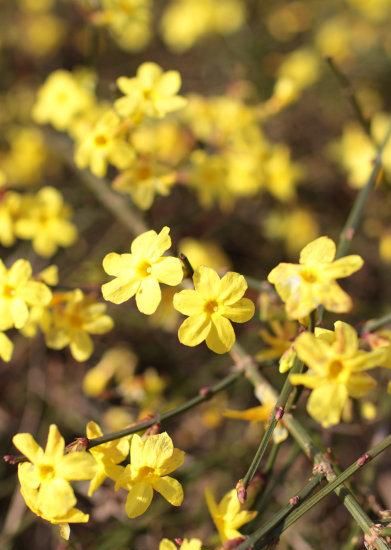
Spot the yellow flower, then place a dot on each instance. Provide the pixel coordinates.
(140, 272)
(279, 339)
(211, 307)
(106, 456)
(26, 158)
(201, 252)
(46, 222)
(45, 477)
(336, 366)
(18, 292)
(186, 544)
(151, 92)
(228, 515)
(312, 282)
(70, 320)
(145, 179)
(60, 100)
(296, 227)
(261, 413)
(151, 460)
(10, 206)
(118, 362)
(104, 144)
(129, 21)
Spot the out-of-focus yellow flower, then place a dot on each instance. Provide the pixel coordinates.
(145, 179)
(49, 275)
(287, 20)
(368, 410)
(278, 340)
(36, 5)
(336, 366)
(296, 228)
(312, 282)
(207, 175)
(261, 413)
(211, 307)
(18, 293)
(45, 477)
(46, 221)
(140, 272)
(117, 418)
(24, 162)
(166, 316)
(106, 457)
(281, 174)
(104, 144)
(10, 206)
(151, 460)
(151, 93)
(42, 34)
(187, 21)
(384, 247)
(376, 10)
(6, 347)
(70, 320)
(228, 515)
(61, 99)
(129, 22)
(118, 363)
(341, 37)
(186, 544)
(202, 252)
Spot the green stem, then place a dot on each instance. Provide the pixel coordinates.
(314, 499)
(386, 532)
(204, 394)
(374, 324)
(283, 513)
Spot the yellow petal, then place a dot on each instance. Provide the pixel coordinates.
(166, 544)
(343, 267)
(240, 311)
(320, 250)
(100, 325)
(6, 347)
(19, 312)
(170, 489)
(157, 449)
(188, 302)
(254, 414)
(308, 380)
(148, 74)
(93, 430)
(117, 264)
(326, 404)
(224, 331)
(81, 345)
(214, 342)
(55, 498)
(148, 296)
(172, 463)
(312, 351)
(206, 282)
(194, 330)
(231, 288)
(138, 499)
(120, 290)
(346, 338)
(168, 270)
(65, 530)
(27, 446)
(19, 273)
(335, 299)
(36, 294)
(55, 444)
(77, 466)
(359, 385)
(169, 83)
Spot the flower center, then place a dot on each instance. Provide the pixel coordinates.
(308, 275)
(335, 368)
(144, 269)
(45, 472)
(100, 140)
(145, 472)
(211, 307)
(8, 291)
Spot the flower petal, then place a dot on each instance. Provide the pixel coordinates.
(232, 287)
(239, 312)
(81, 345)
(170, 489)
(173, 463)
(326, 404)
(188, 302)
(55, 444)
(27, 445)
(138, 500)
(359, 385)
(335, 299)
(194, 330)
(120, 290)
(19, 273)
(148, 296)
(320, 250)
(77, 466)
(206, 282)
(343, 267)
(55, 498)
(346, 338)
(168, 270)
(117, 264)
(225, 332)
(157, 449)
(313, 351)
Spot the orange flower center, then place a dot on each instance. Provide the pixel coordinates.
(211, 307)
(100, 140)
(335, 368)
(308, 275)
(144, 269)
(45, 471)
